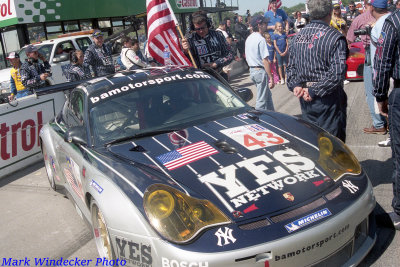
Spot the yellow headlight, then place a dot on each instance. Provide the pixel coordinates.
(177, 216)
(336, 158)
(161, 203)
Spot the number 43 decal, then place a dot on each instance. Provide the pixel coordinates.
(254, 137)
(262, 139)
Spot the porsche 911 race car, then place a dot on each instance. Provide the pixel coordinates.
(172, 168)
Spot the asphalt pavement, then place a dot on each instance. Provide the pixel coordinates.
(38, 222)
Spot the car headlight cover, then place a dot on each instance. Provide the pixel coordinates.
(336, 158)
(177, 216)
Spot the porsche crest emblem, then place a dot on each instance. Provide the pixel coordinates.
(288, 196)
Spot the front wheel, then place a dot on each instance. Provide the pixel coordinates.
(100, 231)
(49, 165)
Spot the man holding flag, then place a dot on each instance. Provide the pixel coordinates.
(208, 47)
(162, 23)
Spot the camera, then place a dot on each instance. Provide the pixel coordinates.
(363, 31)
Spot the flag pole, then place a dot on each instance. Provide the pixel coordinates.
(180, 32)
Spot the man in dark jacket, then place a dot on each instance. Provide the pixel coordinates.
(386, 66)
(315, 78)
(34, 73)
(77, 70)
(98, 56)
(241, 33)
(208, 47)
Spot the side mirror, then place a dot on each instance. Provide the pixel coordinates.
(245, 94)
(76, 135)
(60, 58)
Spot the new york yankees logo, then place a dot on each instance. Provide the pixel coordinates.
(227, 235)
(351, 187)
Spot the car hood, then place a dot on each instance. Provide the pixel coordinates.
(247, 165)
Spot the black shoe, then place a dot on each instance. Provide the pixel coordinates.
(395, 220)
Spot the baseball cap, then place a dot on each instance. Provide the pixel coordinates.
(97, 33)
(336, 5)
(13, 55)
(258, 20)
(379, 3)
(30, 49)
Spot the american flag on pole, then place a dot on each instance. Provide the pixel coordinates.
(278, 4)
(186, 155)
(161, 23)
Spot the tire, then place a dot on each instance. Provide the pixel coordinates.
(49, 168)
(100, 232)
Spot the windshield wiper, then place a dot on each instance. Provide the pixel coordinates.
(138, 135)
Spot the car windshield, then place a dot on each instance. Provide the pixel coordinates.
(42, 49)
(155, 109)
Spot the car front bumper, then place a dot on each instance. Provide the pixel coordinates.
(343, 240)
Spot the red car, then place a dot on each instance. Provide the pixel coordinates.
(355, 62)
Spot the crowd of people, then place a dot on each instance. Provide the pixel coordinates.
(313, 64)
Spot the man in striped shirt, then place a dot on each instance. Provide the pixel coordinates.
(386, 66)
(316, 70)
(208, 47)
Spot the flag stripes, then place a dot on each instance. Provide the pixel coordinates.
(162, 32)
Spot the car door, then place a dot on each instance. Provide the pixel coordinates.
(70, 156)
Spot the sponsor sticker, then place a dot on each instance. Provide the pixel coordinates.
(134, 253)
(254, 136)
(306, 220)
(350, 186)
(73, 177)
(96, 186)
(225, 235)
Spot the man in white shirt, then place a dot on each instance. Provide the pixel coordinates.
(131, 56)
(257, 58)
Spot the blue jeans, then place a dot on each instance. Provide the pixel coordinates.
(23, 93)
(264, 95)
(377, 119)
(394, 131)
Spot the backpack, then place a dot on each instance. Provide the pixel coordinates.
(119, 62)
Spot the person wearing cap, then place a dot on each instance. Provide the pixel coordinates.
(275, 15)
(386, 65)
(208, 47)
(380, 12)
(352, 13)
(316, 70)
(337, 21)
(256, 51)
(362, 22)
(18, 90)
(33, 73)
(99, 56)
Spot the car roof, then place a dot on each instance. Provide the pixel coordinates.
(131, 76)
(59, 40)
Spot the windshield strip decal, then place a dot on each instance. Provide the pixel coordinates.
(161, 144)
(109, 81)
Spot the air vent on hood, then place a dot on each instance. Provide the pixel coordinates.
(225, 147)
(254, 225)
(137, 149)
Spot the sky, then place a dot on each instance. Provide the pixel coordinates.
(259, 5)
